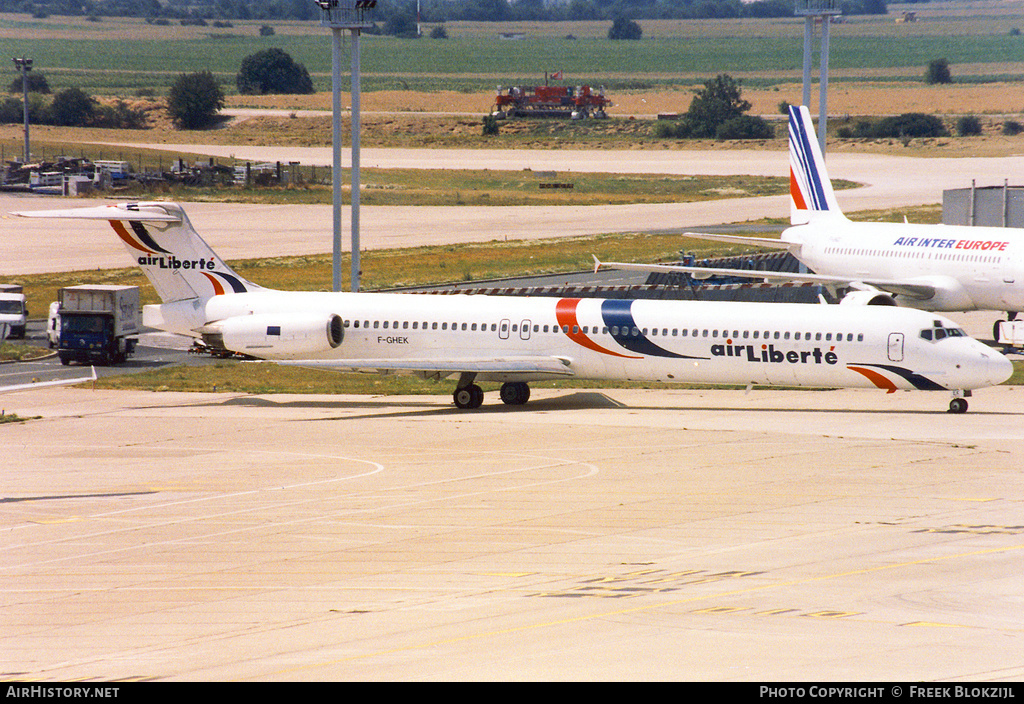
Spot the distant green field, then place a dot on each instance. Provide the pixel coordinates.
(105, 58)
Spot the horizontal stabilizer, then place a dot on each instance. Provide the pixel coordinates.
(123, 211)
(40, 384)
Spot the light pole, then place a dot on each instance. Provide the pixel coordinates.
(822, 11)
(350, 15)
(24, 66)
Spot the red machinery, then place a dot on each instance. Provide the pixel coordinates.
(550, 101)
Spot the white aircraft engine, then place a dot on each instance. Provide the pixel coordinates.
(867, 298)
(276, 335)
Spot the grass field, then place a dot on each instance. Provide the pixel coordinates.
(123, 55)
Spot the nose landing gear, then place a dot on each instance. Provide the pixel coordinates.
(959, 402)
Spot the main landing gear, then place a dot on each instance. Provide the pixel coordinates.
(468, 395)
(515, 393)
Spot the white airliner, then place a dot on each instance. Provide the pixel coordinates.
(516, 340)
(932, 267)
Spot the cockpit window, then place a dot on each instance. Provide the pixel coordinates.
(940, 333)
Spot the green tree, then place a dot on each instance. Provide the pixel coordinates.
(72, 107)
(968, 126)
(714, 105)
(623, 28)
(937, 72)
(37, 83)
(272, 71)
(745, 127)
(194, 100)
(910, 124)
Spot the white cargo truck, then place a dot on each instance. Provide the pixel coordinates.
(13, 311)
(98, 324)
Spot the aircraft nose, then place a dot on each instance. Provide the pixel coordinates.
(999, 368)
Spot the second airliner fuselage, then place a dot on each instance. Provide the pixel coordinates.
(972, 268)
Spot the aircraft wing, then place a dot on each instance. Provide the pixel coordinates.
(40, 384)
(911, 289)
(770, 242)
(556, 366)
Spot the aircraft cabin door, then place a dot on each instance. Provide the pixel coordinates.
(895, 347)
(503, 327)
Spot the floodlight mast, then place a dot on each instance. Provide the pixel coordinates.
(24, 66)
(812, 11)
(340, 15)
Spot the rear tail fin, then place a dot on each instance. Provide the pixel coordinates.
(162, 241)
(810, 189)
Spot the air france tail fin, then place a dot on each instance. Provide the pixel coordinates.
(810, 189)
(162, 241)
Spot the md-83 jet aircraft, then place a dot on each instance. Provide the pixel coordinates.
(517, 340)
(931, 267)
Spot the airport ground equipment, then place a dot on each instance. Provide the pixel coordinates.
(551, 101)
(13, 311)
(98, 324)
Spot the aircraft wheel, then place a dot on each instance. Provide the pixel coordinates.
(515, 393)
(471, 396)
(958, 405)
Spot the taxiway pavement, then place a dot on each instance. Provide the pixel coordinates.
(663, 534)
